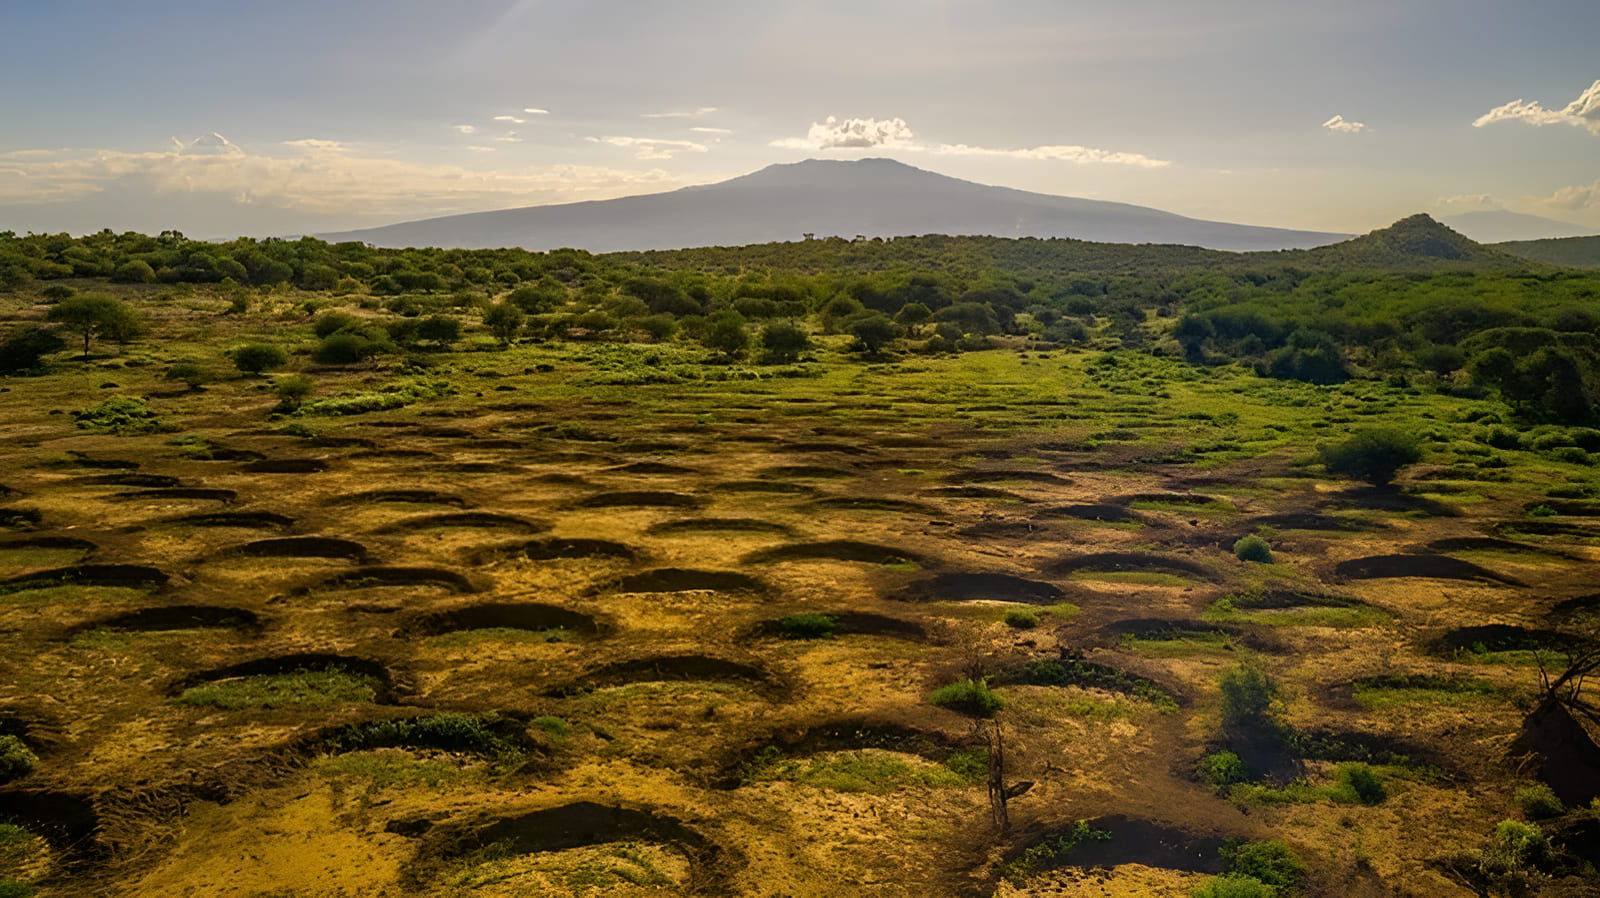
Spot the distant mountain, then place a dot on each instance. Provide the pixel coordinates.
(1573, 252)
(870, 197)
(1414, 243)
(1500, 226)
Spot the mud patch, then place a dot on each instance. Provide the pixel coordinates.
(764, 486)
(652, 469)
(1110, 514)
(980, 587)
(852, 623)
(1312, 521)
(147, 481)
(580, 825)
(247, 520)
(852, 503)
(1492, 544)
(671, 668)
(1043, 477)
(1506, 638)
(851, 734)
(833, 550)
(687, 580)
(1131, 563)
(718, 525)
(1432, 567)
(286, 466)
(406, 497)
(383, 680)
(804, 472)
(69, 822)
(1133, 841)
(177, 617)
(20, 518)
(502, 616)
(555, 549)
(131, 576)
(639, 499)
(377, 577)
(186, 494)
(974, 492)
(481, 520)
(301, 547)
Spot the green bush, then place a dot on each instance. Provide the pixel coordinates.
(119, 414)
(479, 734)
(1253, 548)
(971, 697)
(440, 329)
(1362, 782)
(783, 341)
(335, 322)
(16, 760)
(1268, 861)
(1247, 696)
(1221, 768)
(344, 348)
(254, 358)
(294, 390)
(1538, 802)
(1022, 619)
(808, 625)
(1524, 843)
(26, 346)
(188, 372)
(1234, 885)
(1372, 455)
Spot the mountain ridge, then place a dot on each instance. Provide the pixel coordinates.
(781, 202)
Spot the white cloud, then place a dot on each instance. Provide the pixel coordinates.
(467, 129)
(1338, 123)
(712, 130)
(481, 149)
(703, 110)
(511, 118)
(651, 148)
(509, 138)
(1580, 198)
(1467, 202)
(855, 133)
(534, 110)
(311, 177)
(212, 144)
(1583, 112)
(1074, 154)
(867, 133)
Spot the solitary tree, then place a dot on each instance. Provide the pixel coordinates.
(440, 329)
(254, 358)
(96, 316)
(726, 334)
(1373, 455)
(503, 320)
(783, 341)
(872, 332)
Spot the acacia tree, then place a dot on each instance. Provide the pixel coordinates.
(96, 316)
(503, 320)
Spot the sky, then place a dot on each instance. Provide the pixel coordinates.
(220, 119)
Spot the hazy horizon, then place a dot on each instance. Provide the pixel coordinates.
(1292, 115)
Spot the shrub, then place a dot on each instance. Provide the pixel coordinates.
(1221, 768)
(119, 414)
(1268, 861)
(1235, 885)
(188, 372)
(872, 332)
(1247, 696)
(1372, 455)
(1253, 548)
(783, 341)
(26, 346)
(1538, 802)
(725, 333)
(1051, 851)
(971, 697)
(254, 358)
(553, 727)
(440, 329)
(342, 348)
(1365, 784)
(504, 320)
(1022, 619)
(334, 322)
(808, 625)
(294, 389)
(16, 760)
(1524, 843)
(137, 271)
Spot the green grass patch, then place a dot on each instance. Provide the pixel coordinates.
(394, 768)
(298, 689)
(24, 557)
(1134, 578)
(462, 638)
(1393, 692)
(1177, 643)
(871, 771)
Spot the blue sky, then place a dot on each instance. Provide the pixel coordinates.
(345, 113)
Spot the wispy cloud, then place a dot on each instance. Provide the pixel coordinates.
(1580, 198)
(712, 130)
(467, 129)
(1074, 154)
(1467, 202)
(1338, 123)
(534, 110)
(509, 138)
(652, 148)
(481, 149)
(511, 118)
(854, 133)
(868, 133)
(311, 176)
(703, 110)
(1583, 112)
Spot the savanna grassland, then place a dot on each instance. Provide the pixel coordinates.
(921, 567)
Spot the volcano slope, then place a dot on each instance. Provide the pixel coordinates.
(544, 629)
